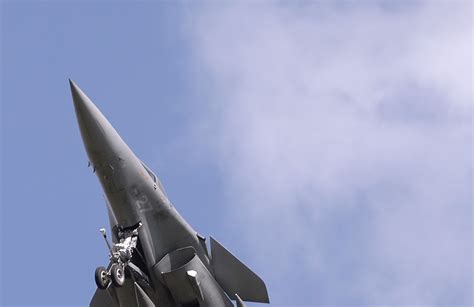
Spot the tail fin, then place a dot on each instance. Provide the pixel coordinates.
(236, 278)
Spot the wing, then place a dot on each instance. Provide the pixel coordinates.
(102, 298)
(130, 294)
(236, 278)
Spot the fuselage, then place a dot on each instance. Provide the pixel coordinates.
(135, 196)
(133, 192)
(157, 258)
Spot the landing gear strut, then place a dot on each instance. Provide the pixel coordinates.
(120, 255)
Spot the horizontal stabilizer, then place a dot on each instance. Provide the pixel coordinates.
(234, 277)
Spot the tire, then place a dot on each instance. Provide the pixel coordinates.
(101, 278)
(118, 275)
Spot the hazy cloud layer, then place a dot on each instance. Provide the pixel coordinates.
(345, 133)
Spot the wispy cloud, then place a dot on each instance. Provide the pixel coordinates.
(346, 133)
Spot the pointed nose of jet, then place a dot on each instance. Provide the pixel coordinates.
(101, 140)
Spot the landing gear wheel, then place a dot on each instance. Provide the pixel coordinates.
(118, 275)
(101, 278)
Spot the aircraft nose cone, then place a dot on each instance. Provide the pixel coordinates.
(113, 162)
(101, 140)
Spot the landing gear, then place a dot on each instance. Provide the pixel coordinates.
(120, 256)
(118, 274)
(115, 274)
(102, 280)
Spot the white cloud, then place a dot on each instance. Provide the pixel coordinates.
(346, 136)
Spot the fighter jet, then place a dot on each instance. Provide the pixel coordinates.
(156, 257)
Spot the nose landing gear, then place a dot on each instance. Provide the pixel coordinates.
(118, 274)
(101, 278)
(120, 256)
(115, 273)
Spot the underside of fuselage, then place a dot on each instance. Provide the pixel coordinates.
(156, 257)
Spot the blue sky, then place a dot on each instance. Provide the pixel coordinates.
(327, 144)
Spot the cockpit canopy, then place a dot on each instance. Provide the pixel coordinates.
(154, 177)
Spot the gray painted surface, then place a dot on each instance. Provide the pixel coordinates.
(174, 264)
